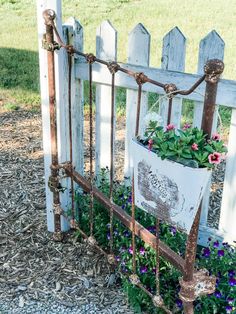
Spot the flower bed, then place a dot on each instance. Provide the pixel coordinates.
(219, 259)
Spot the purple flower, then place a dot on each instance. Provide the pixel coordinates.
(123, 206)
(130, 199)
(179, 303)
(232, 282)
(117, 258)
(143, 269)
(126, 233)
(115, 232)
(216, 244)
(231, 273)
(229, 309)
(230, 300)
(130, 250)
(206, 252)
(142, 251)
(151, 228)
(108, 236)
(218, 294)
(221, 253)
(173, 230)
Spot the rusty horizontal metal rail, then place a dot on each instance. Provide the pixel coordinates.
(126, 219)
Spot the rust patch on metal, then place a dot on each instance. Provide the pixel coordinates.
(201, 284)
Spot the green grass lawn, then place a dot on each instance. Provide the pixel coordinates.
(18, 37)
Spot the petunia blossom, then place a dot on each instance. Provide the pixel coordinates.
(186, 126)
(194, 146)
(232, 282)
(150, 144)
(206, 252)
(170, 127)
(215, 136)
(214, 158)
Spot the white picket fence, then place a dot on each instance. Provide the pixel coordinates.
(172, 71)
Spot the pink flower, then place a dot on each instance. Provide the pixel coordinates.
(215, 137)
(214, 158)
(150, 144)
(186, 126)
(170, 127)
(194, 146)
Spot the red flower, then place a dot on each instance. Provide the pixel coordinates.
(194, 146)
(186, 126)
(214, 158)
(215, 137)
(150, 144)
(170, 127)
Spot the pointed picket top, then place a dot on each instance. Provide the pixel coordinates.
(106, 41)
(173, 51)
(77, 33)
(210, 47)
(139, 45)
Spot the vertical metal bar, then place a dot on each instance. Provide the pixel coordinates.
(112, 156)
(169, 110)
(133, 228)
(157, 257)
(70, 136)
(91, 146)
(49, 16)
(213, 69)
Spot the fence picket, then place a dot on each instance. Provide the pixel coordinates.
(211, 46)
(61, 79)
(106, 48)
(173, 58)
(228, 206)
(138, 53)
(75, 38)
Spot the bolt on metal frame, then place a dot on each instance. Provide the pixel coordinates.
(193, 283)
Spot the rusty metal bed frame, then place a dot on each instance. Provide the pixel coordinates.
(193, 283)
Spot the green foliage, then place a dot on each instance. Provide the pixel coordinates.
(221, 266)
(188, 146)
(11, 107)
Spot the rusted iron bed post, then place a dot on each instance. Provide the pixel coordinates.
(213, 69)
(54, 184)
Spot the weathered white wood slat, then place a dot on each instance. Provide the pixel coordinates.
(211, 47)
(228, 207)
(226, 92)
(173, 58)
(106, 49)
(138, 53)
(61, 99)
(75, 37)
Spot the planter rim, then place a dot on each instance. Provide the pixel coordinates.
(171, 161)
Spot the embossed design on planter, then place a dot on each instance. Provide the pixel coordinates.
(161, 194)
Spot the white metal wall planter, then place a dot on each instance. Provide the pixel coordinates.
(167, 189)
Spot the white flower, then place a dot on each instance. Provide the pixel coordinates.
(150, 116)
